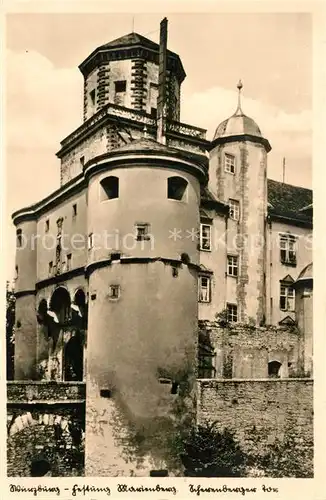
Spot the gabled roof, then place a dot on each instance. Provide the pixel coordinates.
(287, 201)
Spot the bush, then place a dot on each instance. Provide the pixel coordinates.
(206, 452)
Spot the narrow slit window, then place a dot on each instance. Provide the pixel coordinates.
(68, 261)
(92, 95)
(90, 241)
(47, 225)
(50, 272)
(19, 238)
(109, 188)
(177, 188)
(74, 210)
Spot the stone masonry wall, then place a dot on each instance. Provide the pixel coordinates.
(263, 409)
(45, 422)
(244, 351)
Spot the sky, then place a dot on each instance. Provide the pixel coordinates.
(271, 53)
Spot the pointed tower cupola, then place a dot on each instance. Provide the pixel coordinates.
(238, 178)
(239, 127)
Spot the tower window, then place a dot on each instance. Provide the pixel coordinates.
(120, 92)
(229, 163)
(232, 265)
(234, 209)
(82, 161)
(16, 272)
(74, 210)
(90, 241)
(19, 238)
(154, 112)
(205, 237)
(177, 188)
(50, 268)
(120, 86)
(114, 292)
(142, 232)
(110, 188)
(47, 225)
(287, 297)
(68, 261)
(204, 289)
(288, 253)
(92, 95)
(232, 313)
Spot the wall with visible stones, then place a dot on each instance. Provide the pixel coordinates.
(243, 351)
(45, 422)
(259, 411)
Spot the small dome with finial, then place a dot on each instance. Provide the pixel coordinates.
(238, 123)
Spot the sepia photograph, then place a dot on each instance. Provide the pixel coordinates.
(159, 220)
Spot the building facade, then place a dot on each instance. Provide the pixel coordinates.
(148, 234)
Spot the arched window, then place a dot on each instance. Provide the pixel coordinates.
(79, 309)
(274, 369)
(109, 188)
(60, 304)
(177, 188)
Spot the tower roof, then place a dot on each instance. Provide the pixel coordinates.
(128, 47)
(238, 125)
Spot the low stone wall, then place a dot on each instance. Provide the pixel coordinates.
(46, 426)
(259, 411)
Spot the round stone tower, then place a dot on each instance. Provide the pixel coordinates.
(143, 216)
(25, 328)
(238, 177)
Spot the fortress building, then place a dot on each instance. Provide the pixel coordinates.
(154, 230)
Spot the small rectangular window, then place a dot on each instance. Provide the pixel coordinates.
(114, 291)
(74, 210)
(47, 225)
(68, 262)
(229, 163)
(204, 289)
(234, 209)
(50, 268)
(232, 313)
(92, 95)
(82, 161)
(19, 235)
(205, 237)
(120, 86)
(287, 297)
(142, 231)
(232, 265)
(120, 92)
(90, 241)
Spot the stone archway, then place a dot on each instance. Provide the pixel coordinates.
(45, 444)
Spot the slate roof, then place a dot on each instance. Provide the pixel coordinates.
(130, 39)
(287, 201)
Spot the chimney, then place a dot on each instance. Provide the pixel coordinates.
(161, 99)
